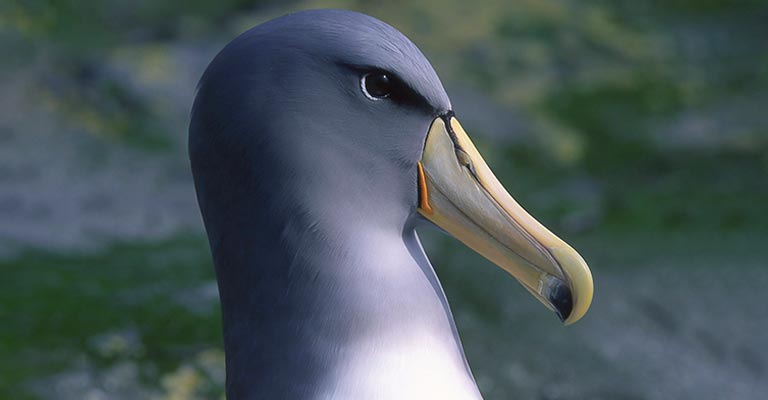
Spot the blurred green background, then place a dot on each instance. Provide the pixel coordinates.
(636, 130)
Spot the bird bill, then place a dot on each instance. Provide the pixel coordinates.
(459, 193)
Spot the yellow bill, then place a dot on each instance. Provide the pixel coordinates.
(460, 194)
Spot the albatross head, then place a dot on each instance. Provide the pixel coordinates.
(322, 134)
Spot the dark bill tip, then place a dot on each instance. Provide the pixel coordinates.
(561, 299)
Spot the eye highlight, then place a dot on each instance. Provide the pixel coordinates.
(377, 85)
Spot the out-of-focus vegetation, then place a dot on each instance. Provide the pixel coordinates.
(636, 129)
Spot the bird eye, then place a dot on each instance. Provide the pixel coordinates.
(376, 85)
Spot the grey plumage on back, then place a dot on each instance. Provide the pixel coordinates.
(308, 193)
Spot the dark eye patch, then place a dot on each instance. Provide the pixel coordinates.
(380, 84)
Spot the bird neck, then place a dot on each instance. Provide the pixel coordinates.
(317, 310)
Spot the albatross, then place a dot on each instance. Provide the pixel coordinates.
(319, 141)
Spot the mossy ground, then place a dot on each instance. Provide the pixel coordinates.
(143, 319)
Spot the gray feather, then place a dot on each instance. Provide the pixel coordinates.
(308, 193)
